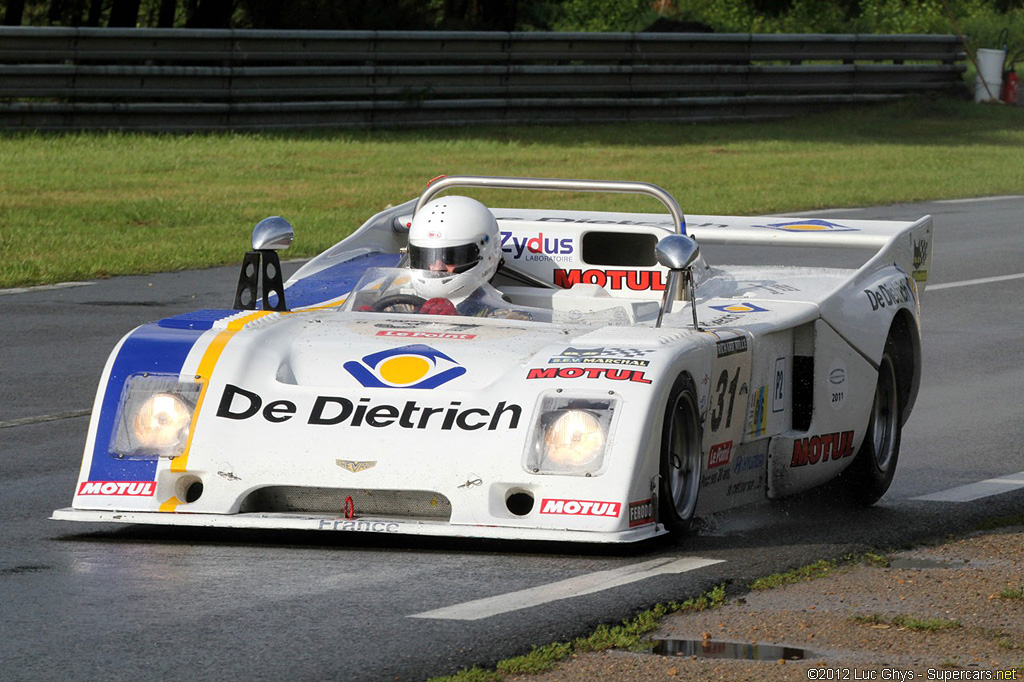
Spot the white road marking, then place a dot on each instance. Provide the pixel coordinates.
(45, 418)
(565, 589)
(976, 491)
(977, 199)
(44, 287)
(972, 282)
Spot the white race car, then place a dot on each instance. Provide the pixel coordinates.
(608, 385)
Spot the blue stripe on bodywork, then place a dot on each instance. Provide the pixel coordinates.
(158, 348)
(334, 281)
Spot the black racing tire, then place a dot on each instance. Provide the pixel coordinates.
(394, 300)
(679, 483)
(871, 472)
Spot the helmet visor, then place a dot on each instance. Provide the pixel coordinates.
(450, 259)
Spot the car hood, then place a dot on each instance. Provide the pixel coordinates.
(353, 350)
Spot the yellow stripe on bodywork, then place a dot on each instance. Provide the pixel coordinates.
(170, 505)
(206, 365)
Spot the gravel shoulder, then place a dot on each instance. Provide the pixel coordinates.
(949, 611)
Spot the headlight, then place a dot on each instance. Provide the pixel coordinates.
(574, 439)
(162, 421)
(570, 436)
(154, 417)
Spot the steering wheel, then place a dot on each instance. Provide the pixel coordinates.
(395, 300)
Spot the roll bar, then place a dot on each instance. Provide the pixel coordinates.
(447, 182)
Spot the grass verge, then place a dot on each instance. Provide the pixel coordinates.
(626, 635)
(90, 205)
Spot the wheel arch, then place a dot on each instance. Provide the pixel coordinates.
(905, 335)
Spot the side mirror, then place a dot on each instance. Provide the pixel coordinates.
(677, 252)
(268, 237)
(272, 234)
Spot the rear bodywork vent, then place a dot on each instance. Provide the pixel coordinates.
(406, 504)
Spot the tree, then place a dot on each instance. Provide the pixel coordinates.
(123, 14)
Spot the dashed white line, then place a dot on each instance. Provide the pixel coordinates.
(976, 491)
(972, 282)
(44, 287)
(565, 589)
(44, 418)
(979, 199)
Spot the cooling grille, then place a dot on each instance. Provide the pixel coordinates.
(422, 504)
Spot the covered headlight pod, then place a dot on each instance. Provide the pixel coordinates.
(155, 416)
(571, 435)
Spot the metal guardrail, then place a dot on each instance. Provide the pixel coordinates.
(174, 79)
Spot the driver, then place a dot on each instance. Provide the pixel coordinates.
(454, 249)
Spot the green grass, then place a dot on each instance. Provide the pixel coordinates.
(627, 635)
(819, 569)
(81, 206)
(1012, 593)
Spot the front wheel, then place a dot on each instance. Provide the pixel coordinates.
(871, 472)
(679, 483)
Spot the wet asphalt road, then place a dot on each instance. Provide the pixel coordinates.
(114, 602)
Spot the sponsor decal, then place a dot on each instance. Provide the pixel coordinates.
(896, 291)
(742, 487)
(731, 346)
(774, 288)
(759, 415)
(414, 366)
(406, 334)
(240, 404)
(354, 466)
(837, 384)
(713, 477)
(127, 488)
(719, 454)
(748, 463)
(421, 325)
(537, 247)
(739, 308)
(359, 526)
(812, 225)
(920, 258)
(822, 448)
(779, 393)
(634, 375)
(602, 356)
(617, 280)
(581, 508)
(641, 513)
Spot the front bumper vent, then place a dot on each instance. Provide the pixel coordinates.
(406, 504)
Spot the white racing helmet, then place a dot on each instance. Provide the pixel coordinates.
(454, 247)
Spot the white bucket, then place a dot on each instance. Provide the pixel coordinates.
(990, 75)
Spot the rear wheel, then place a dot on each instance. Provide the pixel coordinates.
(869, 476)
(680, 457)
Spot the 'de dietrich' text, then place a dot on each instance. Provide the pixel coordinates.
(328, 410)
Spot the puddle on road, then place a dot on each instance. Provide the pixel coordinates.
(741, 651)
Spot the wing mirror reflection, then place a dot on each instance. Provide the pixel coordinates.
(272, 234)
(677, 252)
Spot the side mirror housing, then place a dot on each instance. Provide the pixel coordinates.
(676, 252)
(272, 234)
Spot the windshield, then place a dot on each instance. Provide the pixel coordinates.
(401, 290)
